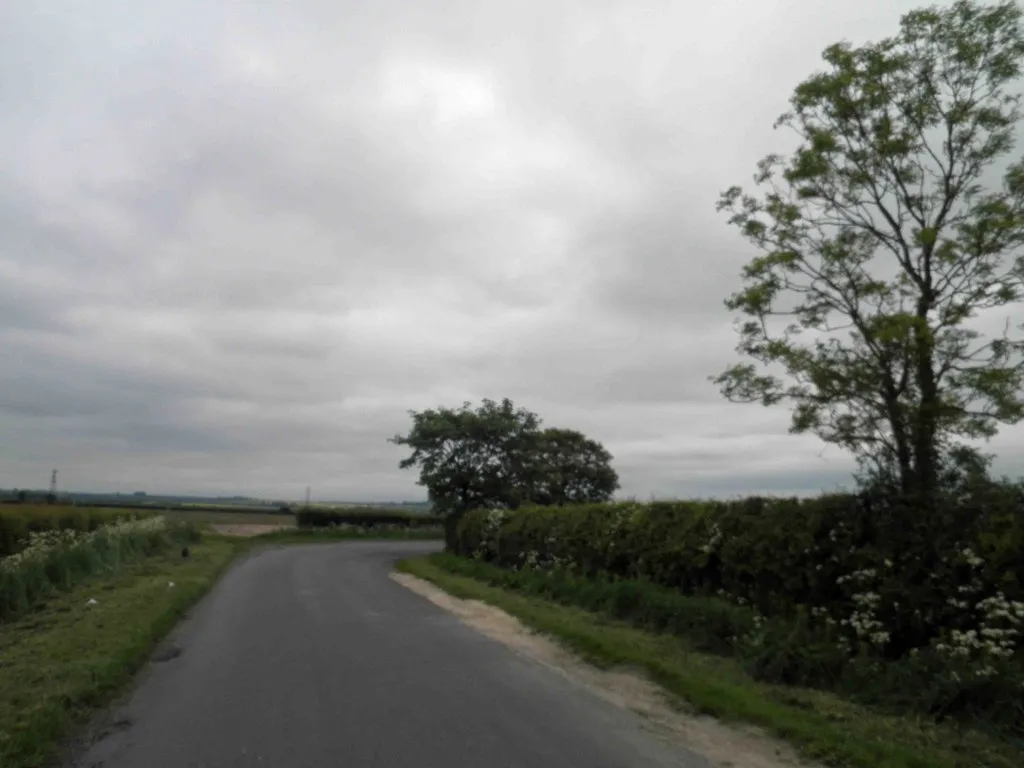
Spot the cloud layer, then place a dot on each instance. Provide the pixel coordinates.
(239, 241)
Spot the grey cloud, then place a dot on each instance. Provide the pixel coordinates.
(239, 241)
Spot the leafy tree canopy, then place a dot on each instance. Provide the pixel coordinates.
(497, 455)
(897, 221)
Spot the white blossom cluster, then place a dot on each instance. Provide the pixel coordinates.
(971, 559)
(41, 545)
(534, 560)
(998, 635)
(862, 576)
(489, 533)
(863, 621)
(714, 541)
(1000, 622)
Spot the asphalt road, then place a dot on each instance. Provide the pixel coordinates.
(311, 656)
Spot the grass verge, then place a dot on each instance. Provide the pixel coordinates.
(61, 662)
(65, 660)
(821, 726)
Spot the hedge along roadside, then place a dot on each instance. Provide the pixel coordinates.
(362, 517)
(847, 594)
(58, 559)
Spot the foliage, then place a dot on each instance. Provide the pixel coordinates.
(880, 244)
(55, 560)
(363, 517)
(497, 455)
(569, 468)
(838, 578)
(17, 522)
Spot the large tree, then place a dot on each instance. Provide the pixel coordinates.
(497, 456)
(897, 220)
(570, 469)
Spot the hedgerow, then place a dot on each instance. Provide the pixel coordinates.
(861, 593)
(363, 517)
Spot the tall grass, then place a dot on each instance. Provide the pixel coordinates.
(55, 560)
(19, 521)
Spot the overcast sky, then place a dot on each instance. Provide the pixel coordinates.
(239, 241)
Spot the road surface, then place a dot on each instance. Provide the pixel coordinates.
(311, 656)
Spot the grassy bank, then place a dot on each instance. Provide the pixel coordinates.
(57, 560)
(821, 726)
(19, 521)
(58, 664)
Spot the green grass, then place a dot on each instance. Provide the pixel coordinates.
(35, 574)
(17, 521)
(61, 662)
(821, 726)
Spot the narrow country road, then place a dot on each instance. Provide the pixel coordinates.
(311, 656)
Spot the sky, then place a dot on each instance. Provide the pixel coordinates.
(239, 242)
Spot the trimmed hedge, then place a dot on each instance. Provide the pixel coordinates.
(783, 556)
(862, 593)
(366, 517)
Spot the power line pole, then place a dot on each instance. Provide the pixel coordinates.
(53, 487)
(307, 496)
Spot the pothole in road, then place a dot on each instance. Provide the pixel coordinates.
(724, 746)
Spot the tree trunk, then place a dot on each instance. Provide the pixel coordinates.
(898, 423)
(926, 422)
(451, 524)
